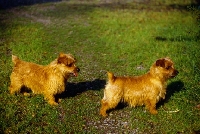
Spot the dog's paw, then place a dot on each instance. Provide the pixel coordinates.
(154, 111)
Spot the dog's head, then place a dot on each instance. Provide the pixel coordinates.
(66, 63)
(164, 68)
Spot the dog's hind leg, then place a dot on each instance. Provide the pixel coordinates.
(14, 88)
(104, 108)
(108, 103)
(15, 85)
(112, 96)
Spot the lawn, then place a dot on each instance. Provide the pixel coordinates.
(124, 37)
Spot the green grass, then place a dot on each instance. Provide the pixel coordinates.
(125, 38)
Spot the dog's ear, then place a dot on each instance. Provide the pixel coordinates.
(62, 58)
(61, 54)
(160, 62)
(66, 59)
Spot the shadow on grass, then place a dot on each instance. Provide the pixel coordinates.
(73, 89)
(171, 89)
(125, 4)
(179, 38)
(6, 4)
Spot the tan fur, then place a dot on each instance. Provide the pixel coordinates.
(48, 80)
(146, 90)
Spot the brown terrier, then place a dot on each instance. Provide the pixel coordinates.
(145, 90)
(48, 80)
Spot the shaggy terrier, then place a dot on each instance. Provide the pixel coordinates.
(146, 89)
(48, 80)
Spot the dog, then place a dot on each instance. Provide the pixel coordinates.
(146, 89)
(48, 80)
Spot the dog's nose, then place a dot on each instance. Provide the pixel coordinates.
(77, 69)
(176, 72)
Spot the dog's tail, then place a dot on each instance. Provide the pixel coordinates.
(111, 77)
(15, 59)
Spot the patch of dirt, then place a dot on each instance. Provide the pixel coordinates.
(113, 124)
(33, 15)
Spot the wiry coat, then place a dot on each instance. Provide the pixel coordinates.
(146, 90)
(48, 80)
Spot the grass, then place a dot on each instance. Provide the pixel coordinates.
(122, 37)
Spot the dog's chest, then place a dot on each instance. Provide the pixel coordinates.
(160, 88)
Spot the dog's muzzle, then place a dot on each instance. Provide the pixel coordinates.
(174, 73)
(76, 72)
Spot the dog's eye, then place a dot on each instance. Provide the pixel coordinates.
(168, 67)
(70, 65)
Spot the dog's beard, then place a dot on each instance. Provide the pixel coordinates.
(75, 74)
